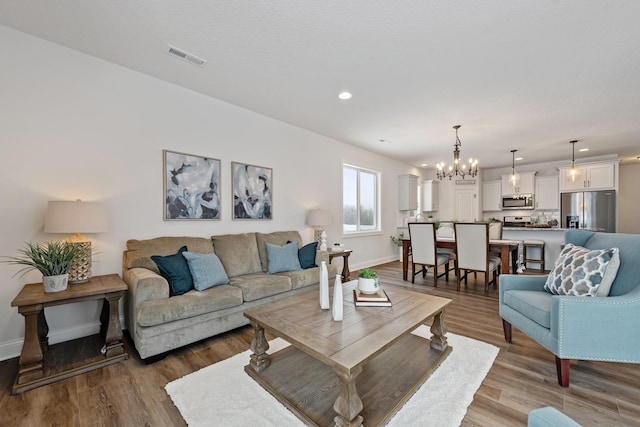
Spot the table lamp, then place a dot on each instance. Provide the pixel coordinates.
(318, 218)
(77, 217)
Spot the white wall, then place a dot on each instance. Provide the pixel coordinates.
(75, 127)
(628, 198)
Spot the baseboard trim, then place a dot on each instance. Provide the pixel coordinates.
(11, 349)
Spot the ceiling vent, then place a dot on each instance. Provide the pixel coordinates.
(187, 56)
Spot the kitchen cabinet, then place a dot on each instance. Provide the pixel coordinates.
(547, 194)
(594, 176)
(430, 195)
(407, 192)
(491, 196)
(526, 185)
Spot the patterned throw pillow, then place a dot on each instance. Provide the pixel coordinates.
(583, 272)
(282, 258)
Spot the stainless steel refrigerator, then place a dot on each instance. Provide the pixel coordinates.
(591, 210)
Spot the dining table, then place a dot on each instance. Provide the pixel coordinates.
(505, 247)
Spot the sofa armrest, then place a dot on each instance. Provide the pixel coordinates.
(145, 285)
(322, 256)
(597, 328)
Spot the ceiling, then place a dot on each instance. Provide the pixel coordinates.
(525, 75)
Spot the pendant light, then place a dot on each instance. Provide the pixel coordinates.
(572, 173)
(514, 179)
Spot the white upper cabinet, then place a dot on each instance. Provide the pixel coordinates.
(526, 185)
(407, 192)
(547, 194)
(491, 196)
(595, 176)
(430, 195)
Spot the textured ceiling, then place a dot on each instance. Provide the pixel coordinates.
(526, 75)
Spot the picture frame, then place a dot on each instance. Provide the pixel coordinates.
(191, 186)
(252, 191)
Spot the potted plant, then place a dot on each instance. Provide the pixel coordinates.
(52, 259)
(368, 281)
(398, 242)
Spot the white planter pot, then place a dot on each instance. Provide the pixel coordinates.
(400, 253)
(55, 283)
(368, 286)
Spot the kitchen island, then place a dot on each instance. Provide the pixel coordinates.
(552, 237)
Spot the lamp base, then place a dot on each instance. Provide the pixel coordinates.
(80, 271)
(323, 241)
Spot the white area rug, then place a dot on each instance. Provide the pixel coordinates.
(224, 395)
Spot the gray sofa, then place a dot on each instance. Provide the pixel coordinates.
(158, 323)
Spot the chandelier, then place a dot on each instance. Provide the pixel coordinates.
(463, 170)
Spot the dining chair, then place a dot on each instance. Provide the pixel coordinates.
(424, 251)
(495, 233)
(473, 255)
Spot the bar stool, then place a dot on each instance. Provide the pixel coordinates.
(533, 244)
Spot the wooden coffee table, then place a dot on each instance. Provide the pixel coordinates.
(359, 370)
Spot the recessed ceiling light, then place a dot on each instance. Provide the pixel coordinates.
(519, 158)
(344, 95)
(384, 141)
(424, 165)
(583, 149)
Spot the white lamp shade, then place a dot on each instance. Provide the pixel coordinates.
(319, 217)
(75, 217)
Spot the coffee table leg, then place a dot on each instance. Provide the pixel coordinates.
(259, 359)
(439, 331)
(348, 404)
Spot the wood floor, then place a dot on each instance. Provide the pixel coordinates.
(522, 378)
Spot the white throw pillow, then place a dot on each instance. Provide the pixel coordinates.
(580, 271)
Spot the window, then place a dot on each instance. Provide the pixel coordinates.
(360, 200)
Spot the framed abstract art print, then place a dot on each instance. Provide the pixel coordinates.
(252, 191)
(191, 186)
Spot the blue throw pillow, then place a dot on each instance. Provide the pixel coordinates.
(307, 255)
(175, 269)
(206, 269)
(282, 258)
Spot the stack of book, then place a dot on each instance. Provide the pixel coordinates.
(379, 299)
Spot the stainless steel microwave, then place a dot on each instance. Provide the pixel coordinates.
(517, 202)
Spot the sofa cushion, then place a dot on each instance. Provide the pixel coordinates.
(534, 305)
(580, 271)
(238, 253)
(139, 252)
(307, 255)
(302, 278)
(206, 270)
(260, 285)
(283, 258)
(175, 270)
(193, 303)
(277, 238)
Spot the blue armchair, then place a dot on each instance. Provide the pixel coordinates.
(578, 327)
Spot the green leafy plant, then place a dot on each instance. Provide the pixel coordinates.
(397, 240)
(50, 258)
(368, 273)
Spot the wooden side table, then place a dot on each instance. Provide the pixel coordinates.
(344, 253)
(106, 348)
